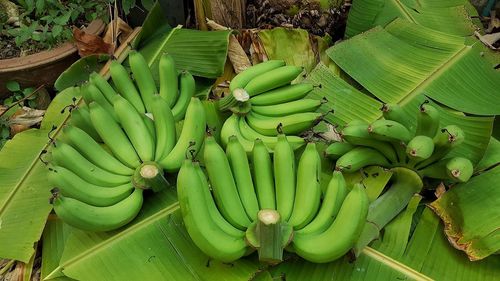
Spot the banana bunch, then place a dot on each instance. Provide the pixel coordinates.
(261, 97)
(266, 203)
(391, 142)
(121, 141)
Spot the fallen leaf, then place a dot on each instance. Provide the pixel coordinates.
(89, 44)
(23, 119)
(117, 30)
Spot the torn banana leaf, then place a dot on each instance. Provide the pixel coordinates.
(491, 156)
(54, 238)
(471, 214)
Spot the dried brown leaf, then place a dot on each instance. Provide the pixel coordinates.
(89, 44)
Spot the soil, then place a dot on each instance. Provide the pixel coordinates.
(8, 48)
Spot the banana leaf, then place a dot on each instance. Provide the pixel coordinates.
(450, 16)
(79, 71)
(491, 156)
(54, 237)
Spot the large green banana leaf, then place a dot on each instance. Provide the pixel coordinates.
(450, 16)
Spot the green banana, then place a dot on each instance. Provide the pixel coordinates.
(287, 108)
(457, 169)
(359, 135)
(191, 136)
(143, 78)
(242, 79)
(150, 124)
(223, 185)
(308, 192)
(231, 128)
(446, 139)
(263, 175)
(394, 112)
(80, 117)
(215, 119)
(187, 88)
(284, 171)
(336, 149)
(169, 84)
(205, 233)
(419, 148)
(96, 95)
(71, 185)
(113, 136)
(272, 79)
(66, 156)
(107, 91)
(427, 120)
(91, 150)
(293, 124)
(341, 235)
(92, 218)
(125, 85)
(250, 134)
(240, 168)
(282, 94)
(135, 128)
(388, 130)
(164, 127)
(361, 157)
(334, 196)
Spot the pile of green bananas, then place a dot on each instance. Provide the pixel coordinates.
(261, 97)
(267, 204)
(392, 142)
(120, 142)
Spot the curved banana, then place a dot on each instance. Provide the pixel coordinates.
(334, 196)
(250, 134)
(446, 139)
(361, 157)
(204, 232)
(231, 128)
(143, 78)
(282, 94)
(427, 120)
(164, 127)
(71, 185)
(223, 185)
(388, 130)
(240, 168)
(80, 117)
(358, 135)
(107, 91)
(91, 150)
(187, 88)
(150, 125)
(293, 124)
(308, 192)
(66, 156)
(113, 136)
(272, 79)
(169, 84)
(263, 176)
(336, 149)
(92, 218)
(125, 85)
(341, 235)
(394, 112)
(287, 108)
(95, 95)
(284, 176)
(457, 169)
(242, 79)
(419, 148)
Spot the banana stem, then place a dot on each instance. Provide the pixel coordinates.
(269, 230)
(149, 175)
(233, 99)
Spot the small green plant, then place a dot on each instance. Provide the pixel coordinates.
(18, 94)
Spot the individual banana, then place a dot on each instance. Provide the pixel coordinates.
(238, 160)
(336, 149)
(143, 78)
(135, 128)
(169, 83)
(263, 176)
(427, 120)
(91, 150)
(284, 179)
(293, 124)
(287, 108)
(445, 140)
(150, 124)
(80, 117)
(242, 79)
(202, 229)
(113, 136)
(125, 85)
(164, 127)
(103, 86)
(419, 148)
(187, 88)
(250, 134)
(92, 218)
(361, 157)
(308, 191)
(191, 136)
(330, 206)
(394, 112)
(223, 185)
(66, 156)
(457, 169)
(71, 185)
(95, 95)
(341, 235)
(231, 128)
(388, 130)
(272, 79)
(282, 94)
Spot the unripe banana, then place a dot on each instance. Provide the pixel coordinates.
(125, 86)
(223, 185)
(250, 134)
(95, 95)
(204, 232)
(135, 128)
(361, 157)
(143, 78)
(394, 112)
(457, 169)
(287, 108)
(231, 128)
(388, 130)
(71, 185)
(113, 136)
(91, 150)
(337, 149)
(164, 127)
(293, 124)
(308, 192)
(80, 117)
(340, 237)
(150, 125)
(263, 176)
(242, 79)
(187, 88)
(357, 134)
(427, 120)
(107, 91)
(284, 171)
(419, 148)
(282, 94)
(92, 218)
(272, 79)
(169, 86)
(191, 137)
(334, 196)
(446, 139)
(240, 168)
